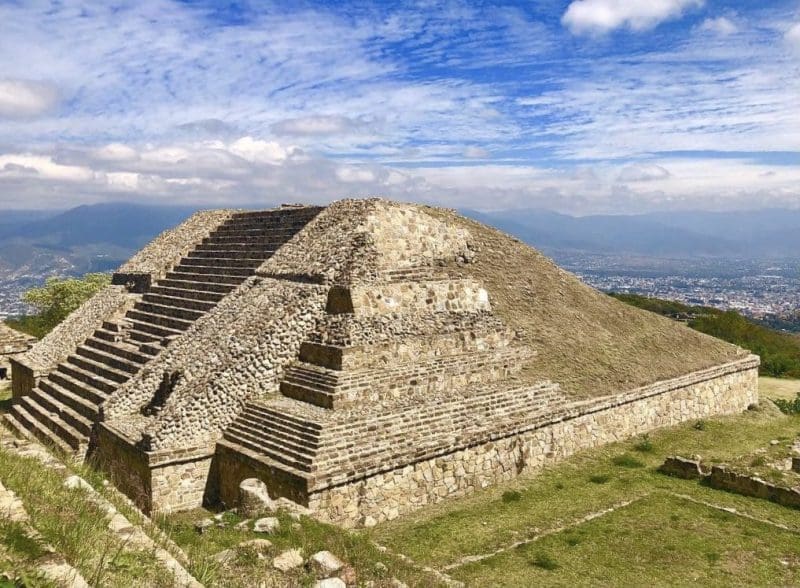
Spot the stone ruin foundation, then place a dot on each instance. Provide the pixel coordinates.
(331, 354)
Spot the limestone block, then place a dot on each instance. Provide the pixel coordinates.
(76, 482)
(254, 498)
(324, 563)
(288, 560)
(266, 525)
(330, 583)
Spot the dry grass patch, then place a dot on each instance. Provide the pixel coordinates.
(588, 342)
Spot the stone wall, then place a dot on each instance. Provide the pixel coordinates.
(727, 389)
(356, 241)
(463, 295)
(166, 250)
(236, 351)
(126, 466)
(58, 344)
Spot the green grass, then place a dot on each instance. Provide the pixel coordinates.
(309, 535)
(643, 545)
(74, 527)
(442, 534)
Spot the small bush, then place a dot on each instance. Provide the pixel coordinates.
(544, 561)
(627, 461)
(644, 445)
(758, 461)
(559, 486)
(599, 478)
(572, 540)
(511, 496)
(788, 406)
(700, 425)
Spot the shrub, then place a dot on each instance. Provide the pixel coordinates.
(758, 461)
(788, 406)
(511, 496)
(627, 461)
(599, 478)
(544, 561)
(644, 445)
(700, 425)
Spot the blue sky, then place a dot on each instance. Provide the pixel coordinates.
(579, 106)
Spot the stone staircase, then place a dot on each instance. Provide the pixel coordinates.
(64, 406)
(292, 441)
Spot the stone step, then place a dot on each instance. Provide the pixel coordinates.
(125, 350)
(245, 224)
(278, 430)
(108, 360)
(229, 255)
(83, 383)
(298, 450)
(187, 276)
(308, 373)
(54, 423)
(79, 404)
(52, 405)
(99, 369)
(288, 420)
(202, 296)
(147, 319)
(257, 250)
(142, 338)
(236, 447)
(309, 394)
(222, 262)
(150, 333)
(169, 311)
(245, 233)
(38, 430)
(299, 214)
(276, 452)
(226, 241)
(206, 284)
(187, 266)
(107, 336)
(180, 302)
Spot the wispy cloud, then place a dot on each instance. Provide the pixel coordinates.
(454, 102)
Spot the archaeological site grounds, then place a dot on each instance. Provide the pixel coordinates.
(431, 398)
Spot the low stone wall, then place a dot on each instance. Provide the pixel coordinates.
(731, 481)
(58, 344)
(126, 466)
(726, 389)
(166, 250)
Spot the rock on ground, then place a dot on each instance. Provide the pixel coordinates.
(288, 560)
(254, 498)
(325, 563)
(330, 583)
(266, 525)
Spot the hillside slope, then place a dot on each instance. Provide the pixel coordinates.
(587, 341)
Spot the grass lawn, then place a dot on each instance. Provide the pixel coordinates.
(658, 540)
(778, 388)
(590, 482)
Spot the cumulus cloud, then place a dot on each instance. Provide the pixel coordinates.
(601, 16)
(642, 173)
(722, 26)
(26, 98)
(792, 36)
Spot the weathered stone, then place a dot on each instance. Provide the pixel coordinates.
(254, 498)
(324, 563)
(330, 583)
(266, 525)
(225, 556)
(258, 545)
(76, 482)
(202, 525)
(682, 468)
(288, 560)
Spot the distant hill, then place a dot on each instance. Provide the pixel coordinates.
(87, 238)
(760, 234)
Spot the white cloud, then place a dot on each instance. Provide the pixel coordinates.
(317, 125)
(642, 173)
(259, 151)
(115, 152)
(792, 36)
(601, 16)
(26, 98)
(46, 168)
(475, 152)
(719, 26)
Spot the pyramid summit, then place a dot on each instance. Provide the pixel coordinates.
(363, 359)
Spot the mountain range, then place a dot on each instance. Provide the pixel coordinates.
(100, 237)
